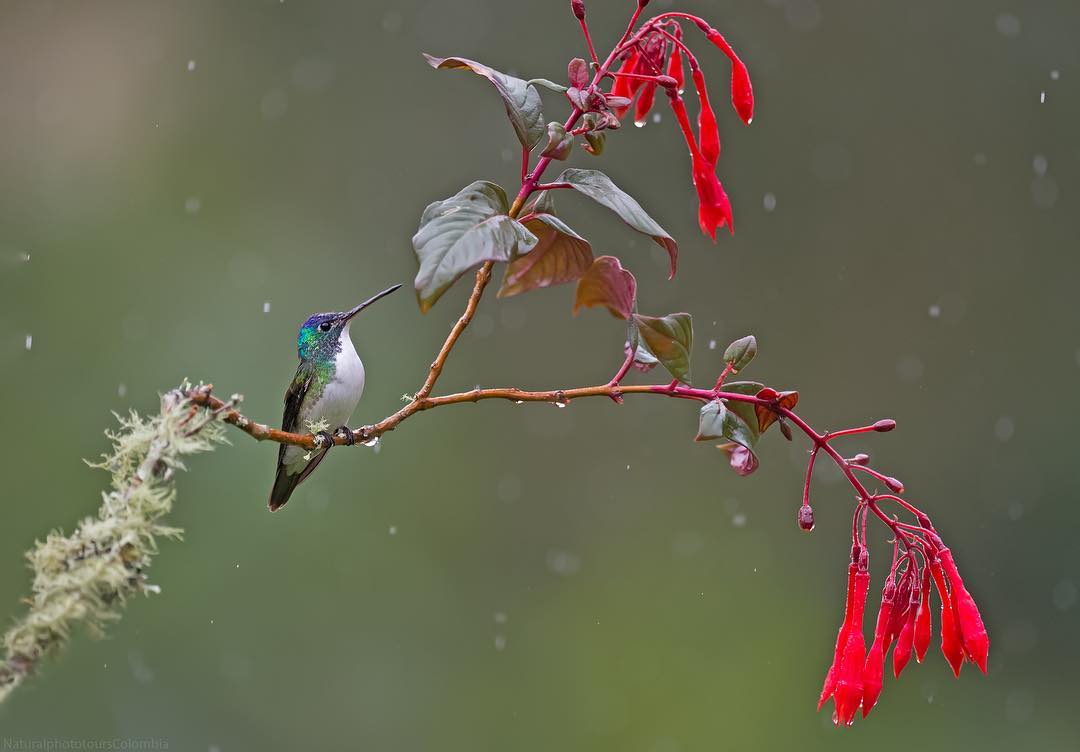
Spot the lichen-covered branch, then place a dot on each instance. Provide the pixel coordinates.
(83, 578)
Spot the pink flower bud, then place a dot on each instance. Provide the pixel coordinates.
(860, 459)
(884, 426)
(806, 518)
(894, 485)
(578, 6)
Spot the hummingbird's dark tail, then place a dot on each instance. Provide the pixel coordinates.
(285, 482)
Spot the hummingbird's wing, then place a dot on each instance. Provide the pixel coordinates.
(285, 482)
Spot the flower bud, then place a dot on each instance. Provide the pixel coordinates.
(806, 518)
(860, 459)
(884, 426)
(578, 6)
(894, 485)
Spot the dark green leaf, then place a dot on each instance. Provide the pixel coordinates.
(740, 352)
(670, 339)
(461, 232)
(598, 186)
(522, 100)
(561, 255)
(559, 142)
(606, 283)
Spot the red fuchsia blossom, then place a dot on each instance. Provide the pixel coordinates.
(844, 680)
(714, 208)
(708, 132)
(952, 644)
(906, 639)
(624, 86)
(676, 70)
(742, 92)
(841, 638)
(644, 103)
(969, 623)
(874, 670)
(922, 620)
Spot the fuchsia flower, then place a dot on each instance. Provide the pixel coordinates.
(714, 208)
(742, 92)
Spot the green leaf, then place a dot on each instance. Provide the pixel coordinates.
(560, 256)
(740, 352)
(598, 186)
(461, 232)
(559, 143)
(522, 100)
(744, 410)
(670, 339)
(606, 283)
(559, 88)
(717, 421)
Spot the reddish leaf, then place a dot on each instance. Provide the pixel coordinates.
(577, 73)
(606, 283)
(766, 416)
(561, 256)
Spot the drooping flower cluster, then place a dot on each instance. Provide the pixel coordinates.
(855, 678)
(656, 58)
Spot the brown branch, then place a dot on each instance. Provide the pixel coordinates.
(202, 395)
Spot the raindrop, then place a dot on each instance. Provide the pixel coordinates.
(500, 642)
(1004, 428)
(739, 520)
(372, 442)
(1042, 97)
(500, 617)
(121, 390)
(29, 341)
(266, 307)
(519, 402)
(1055, 75)
(560, 404)
(712, 344)
(639, 123)
(934, 311)
(1007, 24)
(26, 257)
(191, 65)
(192, 205)
(1039, 165)
(769, 201)
(563, 562)
(656, 117)
(393, 530)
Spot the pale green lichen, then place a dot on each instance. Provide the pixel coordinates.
(83, 578)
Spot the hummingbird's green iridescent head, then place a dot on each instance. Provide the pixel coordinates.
(320, 336)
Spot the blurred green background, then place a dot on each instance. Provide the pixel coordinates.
(182, 183)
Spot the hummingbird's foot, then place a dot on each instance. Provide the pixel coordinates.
(327, 439)
(346, 433)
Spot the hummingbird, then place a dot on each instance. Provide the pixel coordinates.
(327, 386)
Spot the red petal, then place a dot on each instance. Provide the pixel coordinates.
(644, 103)
(972, 630)
(708, 132)
(952, 646)
(742, 91)
(676, 70)
(902, 652)
(922, 620)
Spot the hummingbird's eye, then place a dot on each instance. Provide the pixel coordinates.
(325, 326)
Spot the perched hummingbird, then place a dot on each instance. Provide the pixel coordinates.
(327, 386)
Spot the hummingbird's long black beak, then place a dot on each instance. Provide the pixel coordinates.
(349, 314)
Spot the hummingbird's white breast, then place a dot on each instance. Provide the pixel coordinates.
(337, 402)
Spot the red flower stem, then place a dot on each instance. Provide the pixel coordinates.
(849, 432)
(701, 23)
(728, 370)
(524, 163)
(809, 474)
(552, 186)
(682, 46)
(623, 369)
(638, 76)
(588, 40)
(867, 470)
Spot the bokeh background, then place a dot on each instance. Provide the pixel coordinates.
(182, 183)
